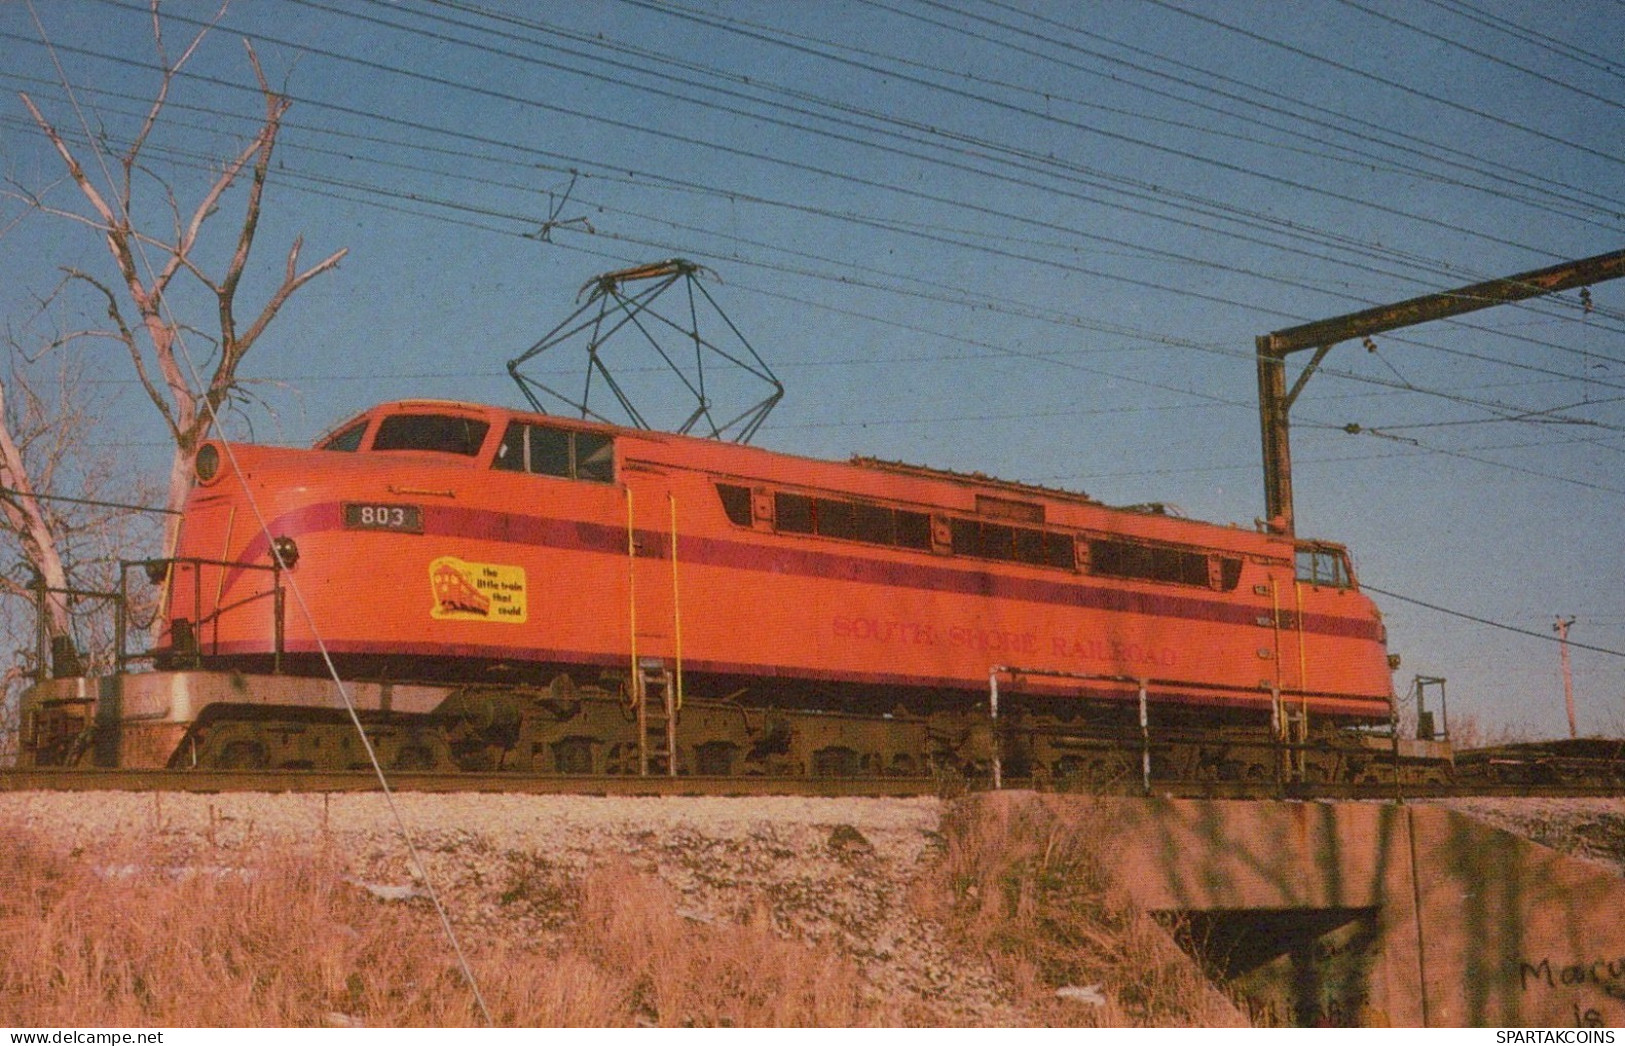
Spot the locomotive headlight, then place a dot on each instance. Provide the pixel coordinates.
(207, 463)
(285, 551)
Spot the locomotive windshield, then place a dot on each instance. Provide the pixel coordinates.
(349, 440)
(442, 433)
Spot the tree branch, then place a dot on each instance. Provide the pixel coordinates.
(167, 74)
(126, 336)
(290, 283)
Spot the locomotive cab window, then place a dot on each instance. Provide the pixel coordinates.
(595, 457)
(544, 451)
(441, 433)
(1326, 567)
(348, 440)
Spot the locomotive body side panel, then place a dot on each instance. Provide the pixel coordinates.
(783, 570)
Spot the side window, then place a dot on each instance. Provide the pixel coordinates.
(349, 440)
(875, 524)
(544, 451)
(793, 512)
(736, 503)
(836, 518)
(1130, 559)
(549, 452)
(511, 453)
(914, 530)
(595, 457)
(1045, 548)
(1059, 551)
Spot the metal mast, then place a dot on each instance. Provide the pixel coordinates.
(1562, 630)
(1275, 399)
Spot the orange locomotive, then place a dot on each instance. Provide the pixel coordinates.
(588, 598)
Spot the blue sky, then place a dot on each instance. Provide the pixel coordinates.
(1035, 240)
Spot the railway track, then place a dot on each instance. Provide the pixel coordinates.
(36, 780)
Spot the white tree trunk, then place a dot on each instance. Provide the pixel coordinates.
(22, 512)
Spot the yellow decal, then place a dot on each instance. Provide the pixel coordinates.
(476, 591)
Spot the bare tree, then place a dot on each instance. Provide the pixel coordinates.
(69, 512)
(26, 520)
(140, 301)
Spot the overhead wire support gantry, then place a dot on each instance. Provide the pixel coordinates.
(611, 308)
(1275, 399)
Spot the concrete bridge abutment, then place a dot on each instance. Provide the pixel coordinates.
(1376, 913)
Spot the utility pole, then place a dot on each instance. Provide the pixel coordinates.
(1275, 399)
(1562, 630)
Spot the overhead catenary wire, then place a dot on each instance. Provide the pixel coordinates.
(1216, 83)
(1552, 196)
(452, 39)
(1511, 410)
(1413, 388)
(92, 502)
(1455, 42)
(1544, 41)
(874, 184)
(1476, 619)
(1392, 84)
(400, 72)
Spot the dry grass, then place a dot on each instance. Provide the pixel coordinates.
(112, 937)
(1023, 882)
(96, 939)
(684, 972)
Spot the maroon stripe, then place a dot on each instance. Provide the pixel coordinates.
(308, 519)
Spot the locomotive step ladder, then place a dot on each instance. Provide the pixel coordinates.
(1295, 734)
(655, 698)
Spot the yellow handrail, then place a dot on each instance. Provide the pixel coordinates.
(1303, 654)
(676, 606)
(634, 684)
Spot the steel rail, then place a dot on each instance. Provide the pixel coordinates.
(318, 781)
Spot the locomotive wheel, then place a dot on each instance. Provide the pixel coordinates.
(837, 761)
(621, 758)
(573, 755)
(414, 757)
(242, 755)
(715, 758)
